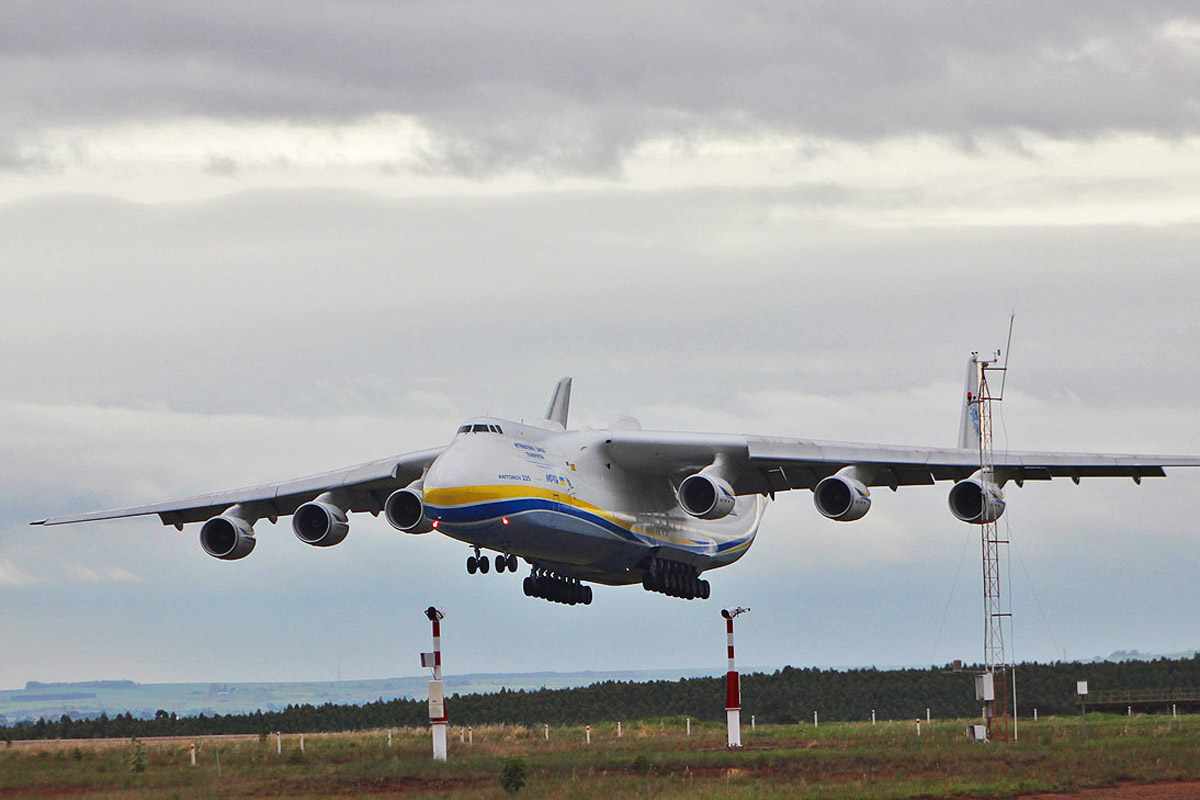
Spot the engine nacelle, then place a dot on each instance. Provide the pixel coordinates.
(227, 537)
(405, 511)
(842, 498)
(976, 501)
(320, 524)
(706, 496)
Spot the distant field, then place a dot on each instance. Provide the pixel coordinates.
(1143, 756)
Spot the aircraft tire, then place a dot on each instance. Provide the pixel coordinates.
(587, 595)
(527, 586)
(501, 563)
(472, 565)
(484, 563)
(705, 590)
(512, 562)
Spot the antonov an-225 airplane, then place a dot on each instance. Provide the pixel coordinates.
(620, 505)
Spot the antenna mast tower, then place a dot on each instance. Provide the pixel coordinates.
(996, 686)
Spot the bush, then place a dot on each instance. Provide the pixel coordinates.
(641, 764)
(512, 777)
(136, 757)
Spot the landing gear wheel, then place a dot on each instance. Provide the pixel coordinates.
(587, 595)
(705, 590)
(512, 563)
(501, 563)
(484, 564)
(527, 586)
(472, 565)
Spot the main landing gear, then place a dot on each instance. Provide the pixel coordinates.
(481, 563)
(556, 588)
(675, 580)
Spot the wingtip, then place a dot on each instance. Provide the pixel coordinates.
(40, 521)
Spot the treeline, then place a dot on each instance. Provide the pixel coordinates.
(788, 695)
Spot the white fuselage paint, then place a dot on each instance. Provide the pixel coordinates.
(555, 499)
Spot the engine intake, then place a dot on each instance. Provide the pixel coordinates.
(320, 524)
(842, 498)
(227, 537)
(976, 501)
(706, 496)
(405, 511)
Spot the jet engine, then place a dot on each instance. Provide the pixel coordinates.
(405, 511)
(227, 537)
(842, 498)
(320, 524)
(976, 501)
(706, 496)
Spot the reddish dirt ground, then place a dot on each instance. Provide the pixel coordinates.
(1181, 790)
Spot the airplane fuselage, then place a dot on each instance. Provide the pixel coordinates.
(553, 498)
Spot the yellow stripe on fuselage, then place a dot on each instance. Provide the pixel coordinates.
(488, 493)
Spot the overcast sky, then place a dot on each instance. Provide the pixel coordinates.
(246, 242)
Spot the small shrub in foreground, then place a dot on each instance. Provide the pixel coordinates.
(512, 777)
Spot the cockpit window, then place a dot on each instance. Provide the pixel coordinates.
(496, 428)
(481, 429)
(465, 429)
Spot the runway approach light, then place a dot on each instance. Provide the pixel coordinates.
(733, 687)
(438, 719)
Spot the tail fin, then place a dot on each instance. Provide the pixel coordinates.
(968, 421)
(560, 403)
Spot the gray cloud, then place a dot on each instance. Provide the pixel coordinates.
(571, 87)
(157, 351)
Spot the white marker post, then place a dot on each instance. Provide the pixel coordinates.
(302, 743)
(688, 722)
(751, 722)
(193, 752)
(278, 743)
(587, 733)
(438, 718)
(1035, 713)
(546, 731)
(872, 716)
(733, 686)
(816, 724)
(928, 718)
(618, 729)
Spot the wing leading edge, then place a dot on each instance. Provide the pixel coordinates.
(365, 486)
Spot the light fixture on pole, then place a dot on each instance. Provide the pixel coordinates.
(438, 718)
(733, 688)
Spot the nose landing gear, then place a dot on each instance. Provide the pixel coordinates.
(481, 563)
(675, 580)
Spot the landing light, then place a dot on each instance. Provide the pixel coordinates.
(435, 524)
(504, 520)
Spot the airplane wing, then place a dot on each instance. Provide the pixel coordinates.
(764, 465)
(365, 485)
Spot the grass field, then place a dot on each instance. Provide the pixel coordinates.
(836, 760)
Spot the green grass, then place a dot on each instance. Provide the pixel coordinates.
(654, 758)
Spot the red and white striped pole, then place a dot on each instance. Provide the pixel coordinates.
(733, 688)
(438, 719)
